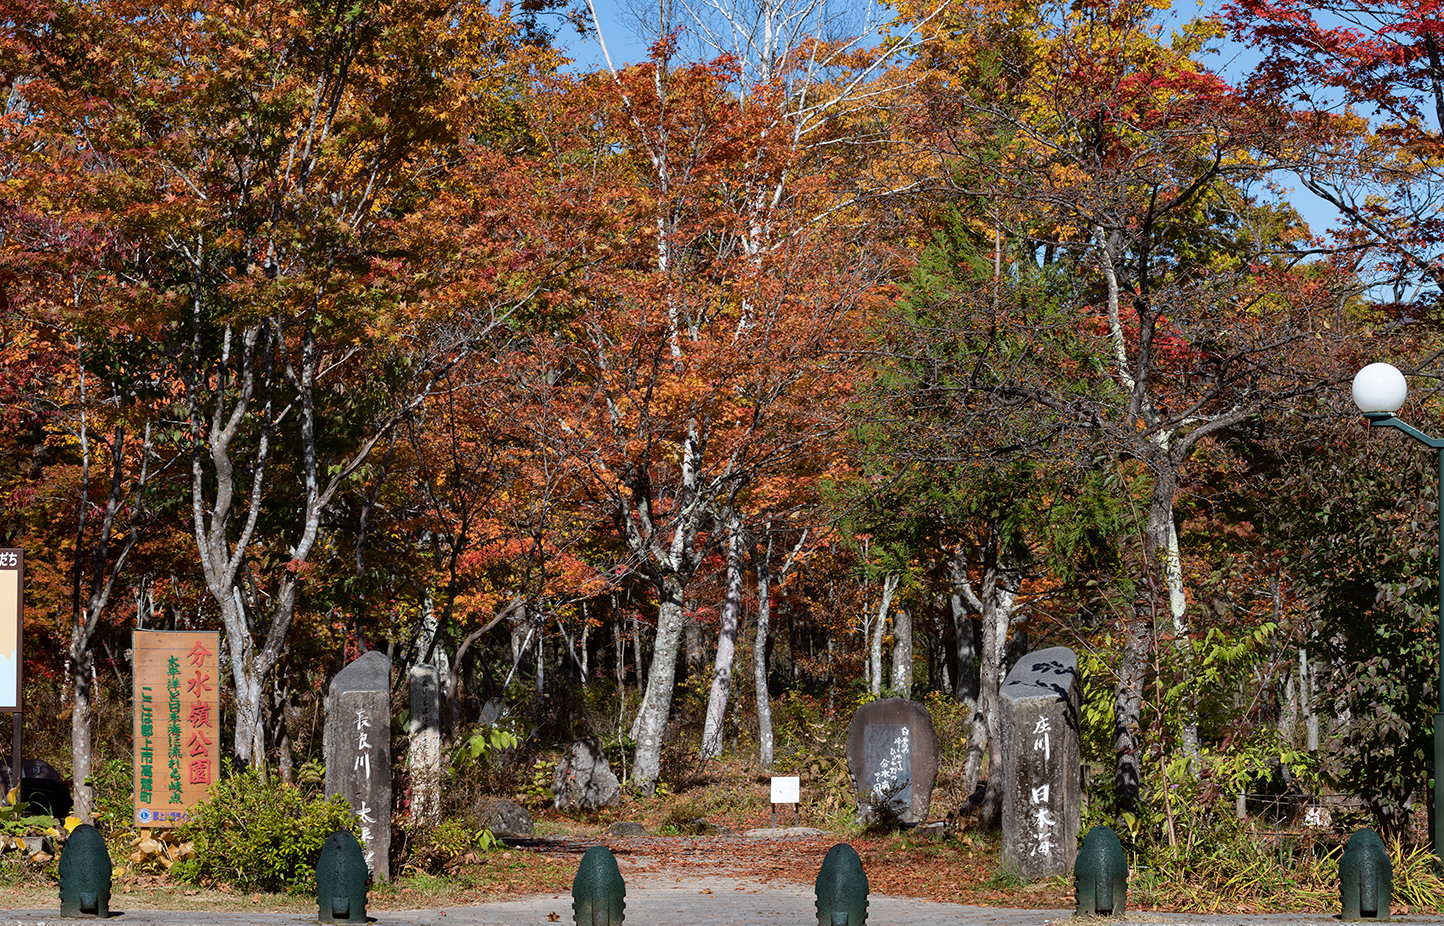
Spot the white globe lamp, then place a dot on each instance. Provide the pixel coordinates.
(1380, 389)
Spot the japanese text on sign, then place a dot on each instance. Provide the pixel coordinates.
(180, 729)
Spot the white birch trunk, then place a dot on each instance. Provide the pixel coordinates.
(726, 643)
(902, 653)
(656, 709)
(889, 588)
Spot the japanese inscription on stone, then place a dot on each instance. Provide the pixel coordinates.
(358, 752)
(176, 699)
(1042, 770)
(892, 753)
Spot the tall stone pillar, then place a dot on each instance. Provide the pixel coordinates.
(1039, 705)
(424, 739)
(358, 752)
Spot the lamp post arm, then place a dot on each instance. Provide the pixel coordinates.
(1387, 420)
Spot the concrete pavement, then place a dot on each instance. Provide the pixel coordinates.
(709, 900)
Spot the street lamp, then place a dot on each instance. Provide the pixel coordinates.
(1379, 391)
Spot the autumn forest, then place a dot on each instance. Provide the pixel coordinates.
(684, 403)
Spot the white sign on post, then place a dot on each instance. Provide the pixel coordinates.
(787, 790)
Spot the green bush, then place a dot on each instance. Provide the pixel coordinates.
(260, 835)
(112, 783)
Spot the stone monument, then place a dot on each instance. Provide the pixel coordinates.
(424, 741)
(892, 755)
(1038, 708)
(358, 752)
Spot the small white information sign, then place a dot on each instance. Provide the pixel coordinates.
(787, 790)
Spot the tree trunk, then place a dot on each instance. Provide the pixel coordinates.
(651, 723)
(999, 593)
(692, 646)
(1163, 540)
(759, 657)
(964, 603)
(1128, 705)
(1000, 590)
(81, 742)
(726, 643)
(902, 653)
(889, 588)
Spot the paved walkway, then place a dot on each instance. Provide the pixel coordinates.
(657, 900)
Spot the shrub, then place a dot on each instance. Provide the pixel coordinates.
(260, 835)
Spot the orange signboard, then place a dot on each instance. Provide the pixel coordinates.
(177, 723)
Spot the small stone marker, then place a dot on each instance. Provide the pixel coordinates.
(424, 741)
(598, 891)
(787, 790)
(584, 780)
(358, 752)
(1042, 767)
(892, 755)
(85, 874)
(1100, 875)
(841, 888)
(1366, 878)
(341, 880)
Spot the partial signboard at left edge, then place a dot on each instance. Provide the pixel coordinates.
(12, 628)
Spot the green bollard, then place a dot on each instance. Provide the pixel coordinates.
(341, 875)
(598, 891)
(841, 888)
(1100, 874)
(85, 874)
(1366, 878)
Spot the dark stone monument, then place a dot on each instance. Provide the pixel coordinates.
(892, 755)
(1100, 875)
(85, 874)
(1038, 708)
(598, 891)
(341, 880)
(584, 780)
(358, 752)
(841, 888)
(1366, 878)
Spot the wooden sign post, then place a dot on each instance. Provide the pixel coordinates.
(177, 723)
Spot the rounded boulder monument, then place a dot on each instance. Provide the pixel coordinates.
(892, 755)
